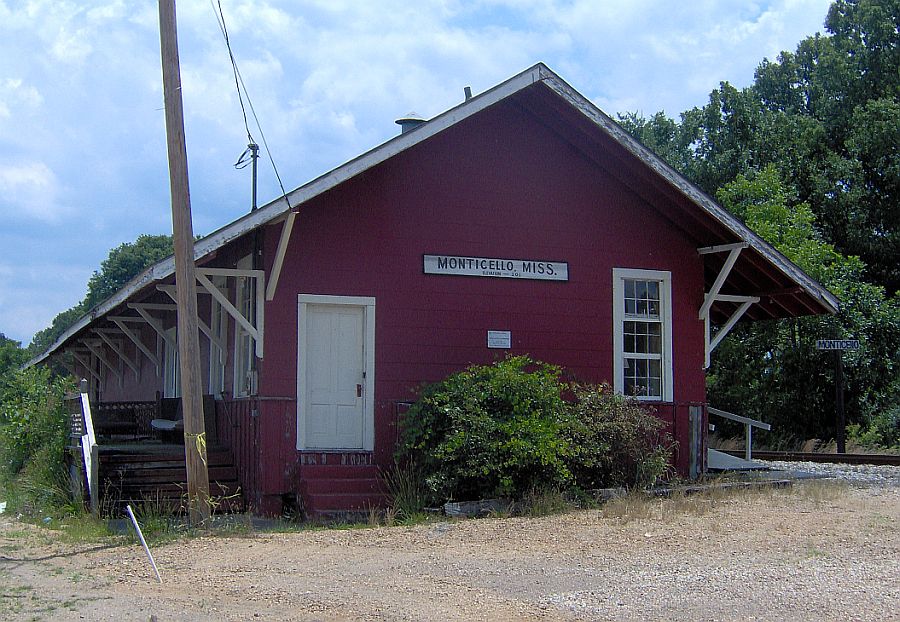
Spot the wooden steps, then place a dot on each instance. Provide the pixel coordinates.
(335, 490)
(145, 475)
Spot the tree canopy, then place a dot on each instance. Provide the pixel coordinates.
(808, 156)
(11, 354)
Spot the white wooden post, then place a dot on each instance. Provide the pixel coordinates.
(89, 449)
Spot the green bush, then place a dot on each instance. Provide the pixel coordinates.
(33, 434)
(881, 432)
(489, 431)
(512, 428)
(614, 440)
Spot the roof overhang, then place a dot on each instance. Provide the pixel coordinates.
(786, 289)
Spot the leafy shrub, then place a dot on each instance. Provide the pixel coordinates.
(33, 433)
(489, 431)
(614, 440)
(881, 432)
(512, 428)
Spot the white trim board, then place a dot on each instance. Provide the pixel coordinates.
(368, 305)
(665, 291)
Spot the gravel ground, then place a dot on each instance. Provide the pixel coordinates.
(819, 551)
(856, 474)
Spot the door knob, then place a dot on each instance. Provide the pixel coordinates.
(359, 390)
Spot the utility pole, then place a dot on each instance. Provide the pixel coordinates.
(185, 278)
(254, 156)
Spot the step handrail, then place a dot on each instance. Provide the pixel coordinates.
(89, 448)
(749, 424)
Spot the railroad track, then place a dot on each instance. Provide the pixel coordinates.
(798, 456)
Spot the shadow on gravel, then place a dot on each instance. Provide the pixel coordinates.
(12, 562)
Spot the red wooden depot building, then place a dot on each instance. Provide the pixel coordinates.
(523, 220)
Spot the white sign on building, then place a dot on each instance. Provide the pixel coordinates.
(498, 268)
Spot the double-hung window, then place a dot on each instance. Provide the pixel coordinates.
(642, 333)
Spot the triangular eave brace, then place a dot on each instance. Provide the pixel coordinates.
(257, 331)
(714, 295)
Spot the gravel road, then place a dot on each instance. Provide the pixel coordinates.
(817, 551)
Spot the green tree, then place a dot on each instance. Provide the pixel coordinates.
(772, 370)
(11, 354)
(809, 156)
(124, 263)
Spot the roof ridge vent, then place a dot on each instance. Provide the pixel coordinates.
(410, 121)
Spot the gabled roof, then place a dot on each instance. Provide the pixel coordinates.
(565, 111)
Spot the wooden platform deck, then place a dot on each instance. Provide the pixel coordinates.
(153, 473)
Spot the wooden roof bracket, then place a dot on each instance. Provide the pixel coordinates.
(98, 352)
(86, 366)
(144, 308)
(119, 352)
(257, 332)
(135, 339)
(286, 229)
(734, 250)
(204, 327)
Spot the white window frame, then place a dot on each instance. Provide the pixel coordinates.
(620, 275)
(245, 370)
(171, 382)
(218, 324)
(368, 305)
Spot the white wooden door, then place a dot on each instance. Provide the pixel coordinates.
(334, 376)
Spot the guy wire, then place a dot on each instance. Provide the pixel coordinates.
(239, 85)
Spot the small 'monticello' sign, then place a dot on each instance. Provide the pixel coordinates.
(837, 344)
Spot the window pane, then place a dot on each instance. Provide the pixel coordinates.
(642, 298)
(643, 377)
(654, 368)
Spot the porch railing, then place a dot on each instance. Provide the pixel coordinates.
(749, 424)
(237, 422)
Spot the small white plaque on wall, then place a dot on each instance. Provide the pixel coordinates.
(499, 339)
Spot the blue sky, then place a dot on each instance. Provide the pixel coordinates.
(82, 126)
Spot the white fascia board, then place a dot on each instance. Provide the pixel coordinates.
(692, 192)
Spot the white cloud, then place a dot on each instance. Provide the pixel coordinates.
(32, 189)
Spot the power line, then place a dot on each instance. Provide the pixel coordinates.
(240, 86)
